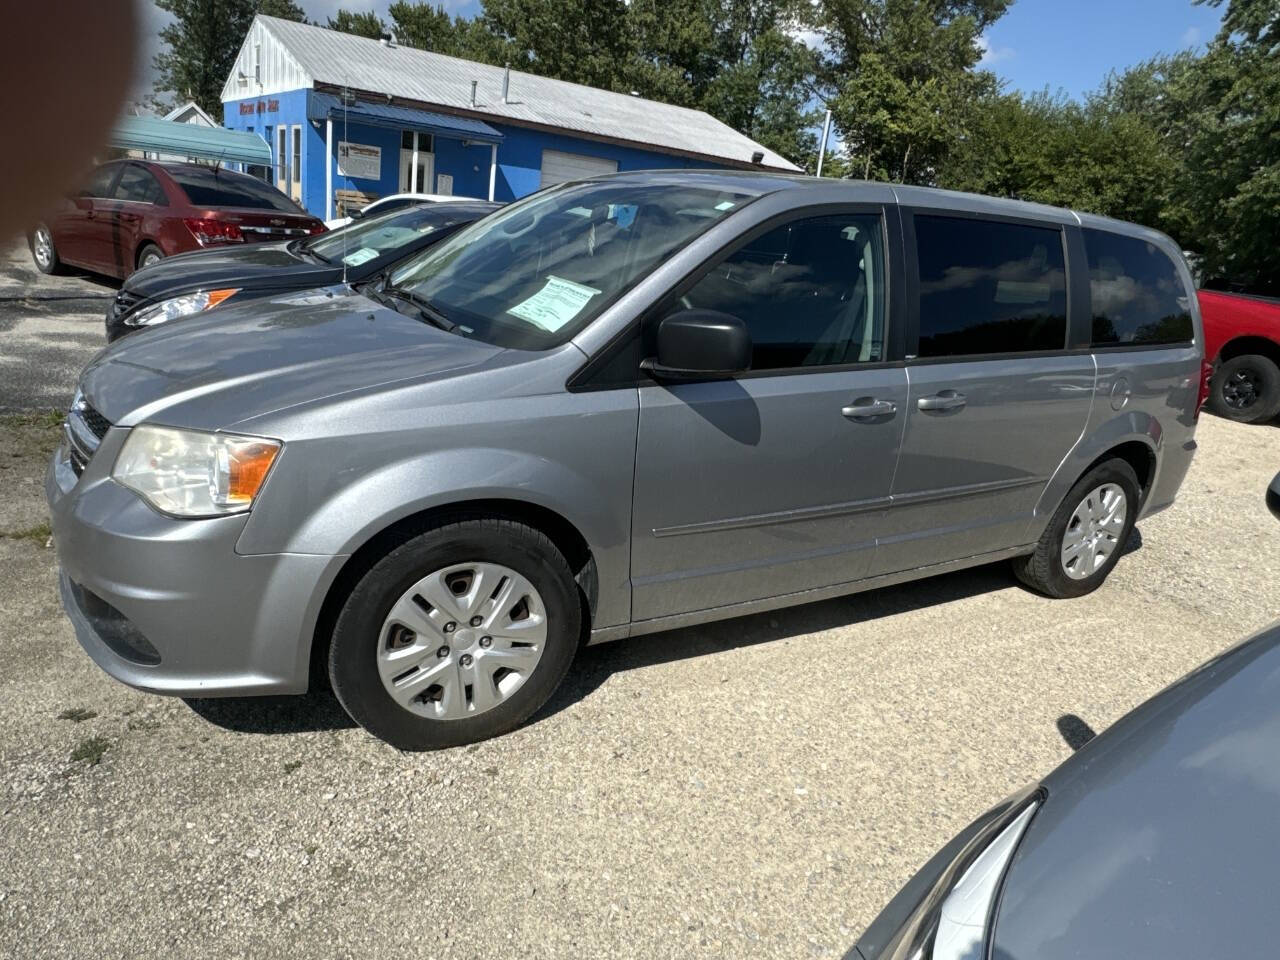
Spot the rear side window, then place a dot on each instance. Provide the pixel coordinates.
(99, 184)
(989, 287)
(1136, 293)
(206, 187)
(139, 185)
(810, 292)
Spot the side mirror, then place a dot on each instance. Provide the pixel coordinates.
(356, 214)
(1273, 496)
(700, 345)
(82, 200)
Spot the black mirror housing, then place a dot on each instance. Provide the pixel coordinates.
(700, 344)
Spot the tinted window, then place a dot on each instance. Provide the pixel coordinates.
(207, 187)
(810, 292)
(988, 287)
(379, 207)
(137, 183)
(99, 184)
(1136, 293)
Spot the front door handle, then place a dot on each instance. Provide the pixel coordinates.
(946, 400)
(865, 408)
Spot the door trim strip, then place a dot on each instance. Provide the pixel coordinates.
(847, 508)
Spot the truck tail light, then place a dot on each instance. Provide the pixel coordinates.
(1206, 375)
(209, 232)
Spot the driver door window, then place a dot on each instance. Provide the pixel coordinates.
(811, 292)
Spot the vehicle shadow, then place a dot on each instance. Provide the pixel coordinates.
(319, 708)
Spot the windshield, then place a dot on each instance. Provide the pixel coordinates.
(366, 240)
(534, 274)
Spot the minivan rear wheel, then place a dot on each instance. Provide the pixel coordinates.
(1087, 534)
(458, 635)
(1246, 389)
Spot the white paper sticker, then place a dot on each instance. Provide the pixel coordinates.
(555, 304)
(725, 205)
(357, 257)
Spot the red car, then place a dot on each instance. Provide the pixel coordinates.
(134, 212)
(1242, 341)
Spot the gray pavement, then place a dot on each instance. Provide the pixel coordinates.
(751, 789)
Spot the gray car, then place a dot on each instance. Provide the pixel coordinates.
(619, 406)
(1156, 841)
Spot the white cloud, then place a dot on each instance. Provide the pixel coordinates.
(992, 55)
(1191, 36)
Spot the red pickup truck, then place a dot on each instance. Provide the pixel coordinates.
(1242, 341)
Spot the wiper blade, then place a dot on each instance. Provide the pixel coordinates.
(429, 311)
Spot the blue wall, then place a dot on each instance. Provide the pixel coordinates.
(519, 154)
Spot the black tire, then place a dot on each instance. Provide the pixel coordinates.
(50, 264)
(145, 251)
(1043, 570)
(353, 669)
(1246, 389)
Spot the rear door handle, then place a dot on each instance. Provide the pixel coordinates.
(865, 408)
(945, 400)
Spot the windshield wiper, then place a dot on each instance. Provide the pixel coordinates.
(300, 248)
(429, 311)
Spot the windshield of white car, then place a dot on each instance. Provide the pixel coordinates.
(388, 234)
(535, 273)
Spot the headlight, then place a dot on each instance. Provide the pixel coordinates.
(952, 921)
(182, 306)
(189, 473)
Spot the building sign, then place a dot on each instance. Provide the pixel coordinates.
(444, 184)
(250, 107)
(359, 160)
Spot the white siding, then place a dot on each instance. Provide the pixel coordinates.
(280, 70)
(557, 167)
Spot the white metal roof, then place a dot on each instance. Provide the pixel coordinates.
(287, 52)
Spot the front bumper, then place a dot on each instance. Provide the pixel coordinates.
(167, 605)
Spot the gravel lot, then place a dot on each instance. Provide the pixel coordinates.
(756, 788)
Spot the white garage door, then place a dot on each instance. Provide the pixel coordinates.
(557, 167)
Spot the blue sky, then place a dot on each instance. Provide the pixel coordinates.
(1065, 45)
(1071, 45)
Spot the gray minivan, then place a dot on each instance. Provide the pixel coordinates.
(622, 405)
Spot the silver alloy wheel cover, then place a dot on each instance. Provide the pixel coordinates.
(150, 257)
(1093, 532)
(435, 663)
(43, 247)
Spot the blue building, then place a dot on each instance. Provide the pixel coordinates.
(351, 119)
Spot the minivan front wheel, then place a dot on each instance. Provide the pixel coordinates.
(458, 635)
(1086, 535)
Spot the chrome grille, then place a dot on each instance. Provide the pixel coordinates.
(84, 428)
(124, 303)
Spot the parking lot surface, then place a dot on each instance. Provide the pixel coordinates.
(754, 788)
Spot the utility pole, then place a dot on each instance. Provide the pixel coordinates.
(822, 147)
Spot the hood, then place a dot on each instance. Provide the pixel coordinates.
(1160, 838)
(255, 265)
(233, 363)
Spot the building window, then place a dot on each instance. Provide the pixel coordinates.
(297, 155)
(282, 157)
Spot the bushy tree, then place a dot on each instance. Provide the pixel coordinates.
(367, 24)
(202, 43)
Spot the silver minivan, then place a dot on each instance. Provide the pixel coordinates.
(622, 405)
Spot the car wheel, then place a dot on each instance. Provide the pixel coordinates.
(1246, 389)
(43, 251)
(149, 254)
(457, 635)
(1087, 534)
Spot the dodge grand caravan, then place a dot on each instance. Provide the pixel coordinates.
(621, 405)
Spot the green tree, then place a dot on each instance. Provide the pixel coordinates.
(367, 24)
(426, 26)
(201, 45)
(901, 82)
